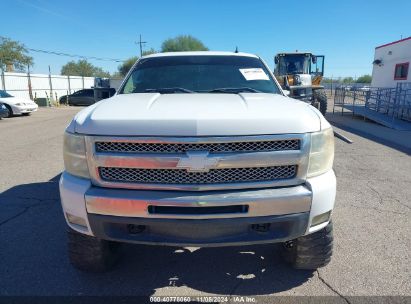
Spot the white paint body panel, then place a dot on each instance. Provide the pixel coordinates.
(154, 114)
(72, 191)
(323, 188)
(25, 105)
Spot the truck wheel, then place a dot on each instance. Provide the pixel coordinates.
(320, 98)
(310, 251)
(91, 254)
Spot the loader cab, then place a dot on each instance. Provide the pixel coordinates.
(300, 74)
(298, 63)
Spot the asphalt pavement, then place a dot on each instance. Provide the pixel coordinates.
(372, 231)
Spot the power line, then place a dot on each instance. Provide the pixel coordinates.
(75, 56)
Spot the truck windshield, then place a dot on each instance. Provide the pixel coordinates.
(200, 74)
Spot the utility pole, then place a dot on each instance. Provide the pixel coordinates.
(29, 82)
(51, 88)
(141, 45)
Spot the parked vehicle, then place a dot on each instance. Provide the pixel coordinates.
(79, 98)
(364, 88)
(199, 149)
(83, 97)
(17, 105)
(301, 75)
(4, 112)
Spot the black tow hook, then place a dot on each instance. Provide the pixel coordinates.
(261, 227)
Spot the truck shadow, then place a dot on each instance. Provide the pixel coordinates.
(34, 260)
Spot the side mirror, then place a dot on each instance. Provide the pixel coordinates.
(314, 59)
(276, 59)
(287, 92)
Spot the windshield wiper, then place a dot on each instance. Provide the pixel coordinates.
(168, 90)
(234, 90)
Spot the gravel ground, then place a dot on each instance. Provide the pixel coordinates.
(371, 222)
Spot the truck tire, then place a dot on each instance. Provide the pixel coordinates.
(91, 254)
(310, 251)
(320, 98)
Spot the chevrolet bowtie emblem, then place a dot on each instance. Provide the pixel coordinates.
(197, 161)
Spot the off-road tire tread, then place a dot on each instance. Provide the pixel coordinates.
(90, 254)
(321, 98)
(311, 251)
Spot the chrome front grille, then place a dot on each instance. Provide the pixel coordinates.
(224, 147)
(181, 176)
(198, 163)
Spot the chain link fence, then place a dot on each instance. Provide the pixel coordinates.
(388, 106)
(330, 84)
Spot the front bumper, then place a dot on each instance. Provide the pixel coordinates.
(200, 232)
(24, 109)
(109, 213)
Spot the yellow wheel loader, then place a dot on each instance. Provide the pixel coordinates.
(301, 75)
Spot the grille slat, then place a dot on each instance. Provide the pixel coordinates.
(181, 176)
(225, 147)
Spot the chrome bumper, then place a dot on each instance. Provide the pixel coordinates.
(138, 203)
(101, 207)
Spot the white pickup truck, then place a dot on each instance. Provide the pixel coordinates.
(198, 149)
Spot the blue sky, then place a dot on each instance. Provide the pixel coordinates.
(346, 32)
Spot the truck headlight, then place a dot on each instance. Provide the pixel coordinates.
(74, 152)
(321, 152)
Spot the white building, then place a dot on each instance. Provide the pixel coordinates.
(392, 64)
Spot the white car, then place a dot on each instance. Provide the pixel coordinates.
(17, 105)
(199, 149)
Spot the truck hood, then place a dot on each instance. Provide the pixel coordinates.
(197, 114)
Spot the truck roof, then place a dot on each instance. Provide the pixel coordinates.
(201, 53)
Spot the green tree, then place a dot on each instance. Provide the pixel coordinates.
(178, 44)
(183, 43)
(126, 66)
(364, 79)
(13, 55)
(327, 80)
(83, 68)
(348, 80)
(149, 52)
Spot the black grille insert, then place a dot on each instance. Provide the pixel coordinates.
(184, 177)
(246, 146)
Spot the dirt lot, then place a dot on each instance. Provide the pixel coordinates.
(371, 220)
